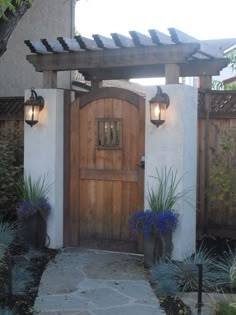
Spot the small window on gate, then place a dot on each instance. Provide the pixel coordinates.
(108, 133)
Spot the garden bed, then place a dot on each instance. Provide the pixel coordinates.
(23, 304)
(174, 304)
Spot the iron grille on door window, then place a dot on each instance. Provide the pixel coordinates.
(108, 133)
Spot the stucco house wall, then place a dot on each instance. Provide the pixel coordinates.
(45, 19)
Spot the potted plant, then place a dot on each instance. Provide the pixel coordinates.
(156, 229)
(33, 209)
(158, 223)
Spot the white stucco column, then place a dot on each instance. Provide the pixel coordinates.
(43, 154)
(174, 144)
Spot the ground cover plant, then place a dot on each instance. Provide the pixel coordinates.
(21, 265)
(218, 257)
(17, 296)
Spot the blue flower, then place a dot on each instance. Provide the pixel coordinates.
(150, 222)
(29, 208)
(167, 221)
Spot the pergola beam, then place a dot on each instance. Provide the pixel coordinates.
(193, 68)
(114, 58)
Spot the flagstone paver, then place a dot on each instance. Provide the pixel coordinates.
(92, 282)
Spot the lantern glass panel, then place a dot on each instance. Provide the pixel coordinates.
(158, 111)
(32, 113)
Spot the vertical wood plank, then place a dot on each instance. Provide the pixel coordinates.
(91, 135)
(99, 154)
(206, 170)
(117, 210)
(134, 144)
(66, 197)
(134, 204)
(117, 154)
(74, 174)
(141, 151)
(83, 143)
(126, 190)
(108, 210)
(108, 113)
(83, 202)
(91, 191)
(99, 209)
(126, 135)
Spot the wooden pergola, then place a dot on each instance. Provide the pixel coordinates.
(121, 57)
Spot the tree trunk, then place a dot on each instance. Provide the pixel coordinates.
(8, 25)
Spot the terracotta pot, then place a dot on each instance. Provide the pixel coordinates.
(33, 231)
(157, 247)
(140, 243)
(168, 244)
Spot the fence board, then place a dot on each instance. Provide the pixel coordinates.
(222, 116)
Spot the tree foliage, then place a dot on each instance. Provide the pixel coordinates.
(11, 11)
(219, 85)
(11, 6)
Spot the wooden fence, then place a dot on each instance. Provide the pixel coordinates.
(216, 115)
(11, 151)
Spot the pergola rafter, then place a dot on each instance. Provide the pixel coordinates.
(122, 57)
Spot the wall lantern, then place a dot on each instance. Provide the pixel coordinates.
(32, 108)
(158, 105)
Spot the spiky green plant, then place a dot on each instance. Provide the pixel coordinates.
(33, 190)
(169, 271)
(165, 195)
(21, 279)
(8, 233)
(226, 269)
(7, 311)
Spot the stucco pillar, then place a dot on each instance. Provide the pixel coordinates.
(174, 144)
(43, 154)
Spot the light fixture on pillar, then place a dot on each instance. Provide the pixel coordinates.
(158, 105)
(32, 108)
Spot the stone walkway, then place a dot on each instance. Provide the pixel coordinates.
(93, 282)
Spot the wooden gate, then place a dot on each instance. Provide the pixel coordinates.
(106, 181)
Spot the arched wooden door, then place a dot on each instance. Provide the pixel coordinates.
(106, 181)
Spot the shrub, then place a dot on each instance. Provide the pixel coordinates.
(11, 166)
(171, 272)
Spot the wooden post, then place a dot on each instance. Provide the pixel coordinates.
(206, 179)
(205, 82)
(96, 84)
(50, 79)
(172, 73)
